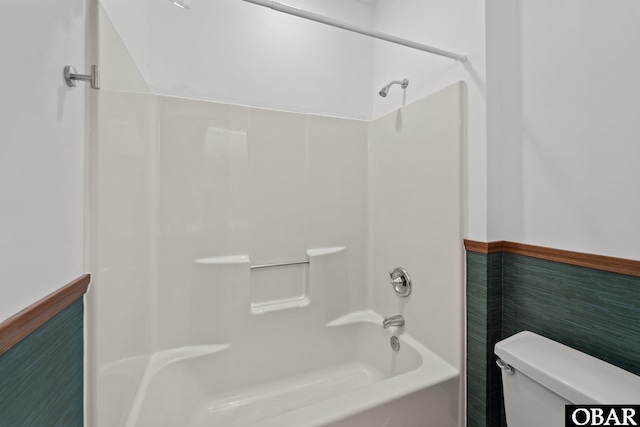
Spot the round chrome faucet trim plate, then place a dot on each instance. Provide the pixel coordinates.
(395, 343)
(400, 281)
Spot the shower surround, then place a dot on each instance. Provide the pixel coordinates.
(186, 195)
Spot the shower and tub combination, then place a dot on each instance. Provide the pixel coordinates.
(255, 267)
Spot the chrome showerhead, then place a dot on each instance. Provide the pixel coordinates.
(385, 90)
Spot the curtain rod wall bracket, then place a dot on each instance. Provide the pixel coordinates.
(71, 76)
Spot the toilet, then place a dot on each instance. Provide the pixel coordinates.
(541, 376)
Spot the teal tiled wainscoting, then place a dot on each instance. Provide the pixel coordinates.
(594, 311)
(484, 329)
(41, 377)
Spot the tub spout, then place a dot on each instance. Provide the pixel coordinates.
(396, 320)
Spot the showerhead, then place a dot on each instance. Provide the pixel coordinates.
(385, 90)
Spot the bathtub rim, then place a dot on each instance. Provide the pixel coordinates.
(357, 401)
(431, 371)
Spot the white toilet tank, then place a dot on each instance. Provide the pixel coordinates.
(548, 375)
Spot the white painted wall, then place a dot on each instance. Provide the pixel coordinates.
(41, 150)
(236, 52)
(564, 114)
(457, 26)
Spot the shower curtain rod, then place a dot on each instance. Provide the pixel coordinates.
(345, 26)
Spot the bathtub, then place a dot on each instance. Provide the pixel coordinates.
(344, 373)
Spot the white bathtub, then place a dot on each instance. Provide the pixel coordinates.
(343, 373)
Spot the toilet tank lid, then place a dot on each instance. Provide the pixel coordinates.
(574, 375)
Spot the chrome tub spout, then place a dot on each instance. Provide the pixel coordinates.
(396, 320)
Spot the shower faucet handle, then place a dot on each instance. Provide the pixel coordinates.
(397, 282)
(400, 281)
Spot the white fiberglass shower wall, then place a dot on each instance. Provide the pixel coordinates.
(187, 195)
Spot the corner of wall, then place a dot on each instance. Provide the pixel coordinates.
(118, 71)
